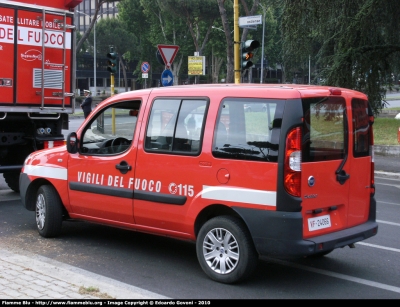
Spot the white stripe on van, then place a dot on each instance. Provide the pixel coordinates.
(46, 171)
(248, 196)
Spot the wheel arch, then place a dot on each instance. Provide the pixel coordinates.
(212, 211)
(30, 195)
(224, 246)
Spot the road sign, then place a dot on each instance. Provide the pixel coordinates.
(168, 53)
(167, 78)
(145, 75)
(250, 22)
(196, 65)
(145, 67)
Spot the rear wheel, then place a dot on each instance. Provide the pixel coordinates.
(48, 212)
(225, 250)
(12, 180)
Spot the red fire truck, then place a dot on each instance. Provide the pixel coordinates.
(37, 78)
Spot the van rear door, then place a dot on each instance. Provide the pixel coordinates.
(361, 164)
(326, 179)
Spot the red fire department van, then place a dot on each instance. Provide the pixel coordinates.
(293, 179)
(37, 78)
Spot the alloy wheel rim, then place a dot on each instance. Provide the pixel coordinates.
(40, 212)
(221, 251)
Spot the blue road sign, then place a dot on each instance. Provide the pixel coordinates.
(167, 78)
(145, 67)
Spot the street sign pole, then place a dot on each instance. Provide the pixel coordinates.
(145, 67)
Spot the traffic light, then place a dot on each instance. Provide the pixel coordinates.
(112, 61)
(247, 53)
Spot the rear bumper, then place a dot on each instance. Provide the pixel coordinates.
(280, 234)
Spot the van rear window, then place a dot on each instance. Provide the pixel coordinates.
(244, 128)
(361, 128)
(323, 129)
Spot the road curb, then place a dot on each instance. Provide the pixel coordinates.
(387, 150)
(76, 276)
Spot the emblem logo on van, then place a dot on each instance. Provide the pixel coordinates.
(311, 181)
(31, 55)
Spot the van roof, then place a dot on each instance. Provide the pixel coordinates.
(284, 91)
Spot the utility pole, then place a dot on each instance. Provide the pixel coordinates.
(236, 41)
(262, 48)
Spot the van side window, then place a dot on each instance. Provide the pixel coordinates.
(323, 129)
(361, 127)
(176, 126)
(243, 129)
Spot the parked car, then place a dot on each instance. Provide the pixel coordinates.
(188, 162)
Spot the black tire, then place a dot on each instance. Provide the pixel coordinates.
(12, 180)
(48, 212)
(226, 263)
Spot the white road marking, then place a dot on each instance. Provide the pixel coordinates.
(389, 223)
(385, 202)
(390, 185)
(380, 247)
(341, 276)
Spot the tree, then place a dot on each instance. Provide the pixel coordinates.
(355, 43)
(165, 28)
(111, 32)
(223, 5)
(93, 20)
(216, 53)
(133, 19)
(154, 25)
(198, 16)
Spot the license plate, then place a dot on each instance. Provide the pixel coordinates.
(319, 222)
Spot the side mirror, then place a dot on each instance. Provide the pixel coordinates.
(72, 142)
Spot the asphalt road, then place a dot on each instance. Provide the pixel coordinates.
(393, 100)
(387, 164)
(169, 267)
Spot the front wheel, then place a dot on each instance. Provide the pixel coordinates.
(225, 250)
(48, 212)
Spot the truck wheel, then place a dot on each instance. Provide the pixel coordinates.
(12, 180)
(48, 212)
(225, 250)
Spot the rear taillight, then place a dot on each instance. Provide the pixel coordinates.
(51, 144)
(372, 154)
(292, 165)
